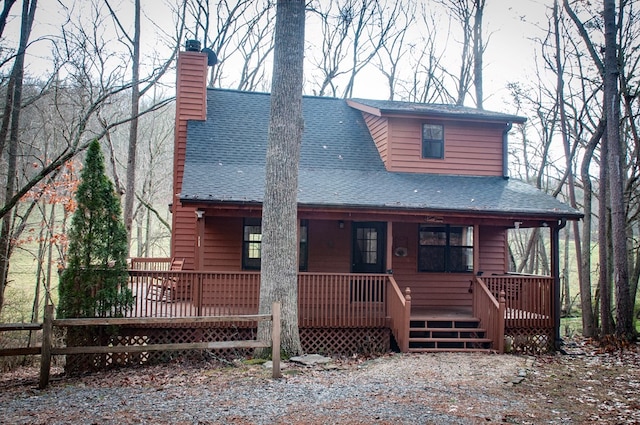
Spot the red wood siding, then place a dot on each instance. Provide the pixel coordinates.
(379, 129)
(223, 243)
(329, 247)
(427, 289)
(329, 251)
(493, 250)
(469, 149)
(183, 236)
(191, 104)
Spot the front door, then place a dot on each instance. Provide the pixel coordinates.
(368, 247)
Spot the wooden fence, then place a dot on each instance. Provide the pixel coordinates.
(47, 349)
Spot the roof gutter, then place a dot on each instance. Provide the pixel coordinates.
(505, 150)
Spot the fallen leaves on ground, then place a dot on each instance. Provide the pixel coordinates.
(592, 385)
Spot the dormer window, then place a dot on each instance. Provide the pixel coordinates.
(432, 141)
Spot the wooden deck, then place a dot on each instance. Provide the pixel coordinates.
(343, 300)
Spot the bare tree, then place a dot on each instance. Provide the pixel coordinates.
(279, 268)
(392, 52)
(134, 48)
(240, 34)
(568, 152)
(93, 77)
(426, 82)
(463, 11)
(624, 315)
(478, 51)
(9, 134)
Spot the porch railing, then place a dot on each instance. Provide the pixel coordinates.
(149, 263)
(491, 312)
(529, 299)
(193, 293)
(324, 300)
(341, 300)
(399, 313)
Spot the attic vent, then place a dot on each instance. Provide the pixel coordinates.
(192, 46)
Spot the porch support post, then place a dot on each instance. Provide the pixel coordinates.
(555, 273)
(199, 260)
(476, 248)
(389, 253)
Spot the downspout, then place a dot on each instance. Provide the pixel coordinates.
(555, 235)
(505, 150)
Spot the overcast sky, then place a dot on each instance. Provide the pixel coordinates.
(510, 26)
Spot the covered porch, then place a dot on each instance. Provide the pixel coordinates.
(501, 305)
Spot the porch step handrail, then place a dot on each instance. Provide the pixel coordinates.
(491, 313)
(399, 313)
(529, 299)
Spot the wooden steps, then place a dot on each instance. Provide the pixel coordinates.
(430, 334)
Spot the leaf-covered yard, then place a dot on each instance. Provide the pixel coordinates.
(447, 388)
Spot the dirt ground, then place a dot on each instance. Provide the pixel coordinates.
(589, 385)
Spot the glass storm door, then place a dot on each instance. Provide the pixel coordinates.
(368, 243)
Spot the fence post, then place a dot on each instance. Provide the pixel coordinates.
(275, 340)
(45, 351)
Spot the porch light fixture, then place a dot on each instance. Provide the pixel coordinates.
(199, 214)
(341, 224)
(516, 224)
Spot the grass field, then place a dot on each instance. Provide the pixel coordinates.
(19, 294)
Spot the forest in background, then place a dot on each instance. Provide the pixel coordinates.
(104, 69)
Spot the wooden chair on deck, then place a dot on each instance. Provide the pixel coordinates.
(164, 288)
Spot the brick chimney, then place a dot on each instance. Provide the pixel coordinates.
(191, 104)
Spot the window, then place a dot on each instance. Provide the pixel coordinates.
(432, 141)
(446, 248)
(252, 244)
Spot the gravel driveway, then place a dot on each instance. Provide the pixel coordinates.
(443, 388)
(396, 389)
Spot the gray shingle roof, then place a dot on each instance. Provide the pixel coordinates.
(432, 109)
(339, 165)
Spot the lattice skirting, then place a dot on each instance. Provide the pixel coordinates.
(325, 341)
(345, 341)
(529, 340)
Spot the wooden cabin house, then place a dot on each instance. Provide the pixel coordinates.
(403, 211)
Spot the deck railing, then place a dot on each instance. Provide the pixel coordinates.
(193, 293)
(149, 263)
(324, 300)
(341, 300)
(491, 311)
(399, 313)
(529, 299)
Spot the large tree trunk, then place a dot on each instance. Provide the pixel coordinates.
(130, 190)
(279, 273)
(588, 315)
(478, 51)
(624, 319)
(604, 231)
(11, 128)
